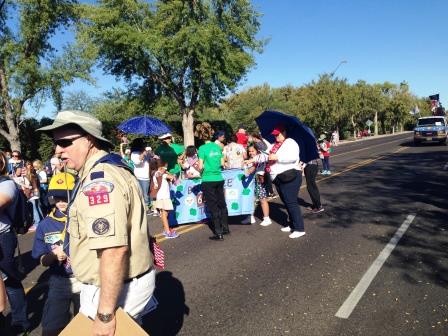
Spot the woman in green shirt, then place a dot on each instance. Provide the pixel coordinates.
(211, 161)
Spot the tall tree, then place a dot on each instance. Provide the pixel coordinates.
(192, 51)
(30, 67)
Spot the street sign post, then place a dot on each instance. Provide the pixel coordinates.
(369, 123)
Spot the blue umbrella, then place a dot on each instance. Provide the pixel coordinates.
(295, 129)
(144, 125)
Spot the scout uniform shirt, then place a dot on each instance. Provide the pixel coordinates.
(50, 233)
(107, 211)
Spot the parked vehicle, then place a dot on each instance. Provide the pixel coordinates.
(431, 129)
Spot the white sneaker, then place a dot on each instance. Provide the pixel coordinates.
(248, 220)
(297, 234)
(286, 229)
(266, 221)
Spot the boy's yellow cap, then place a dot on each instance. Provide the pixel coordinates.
(60, 183)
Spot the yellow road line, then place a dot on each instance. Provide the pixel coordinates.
(362, 163)
(357, 165)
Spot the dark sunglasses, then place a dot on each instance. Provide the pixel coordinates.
(64, 143)
(15, 155)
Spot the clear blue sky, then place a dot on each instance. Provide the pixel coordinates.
(380, 40)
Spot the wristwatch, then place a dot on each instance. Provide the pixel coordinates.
(105, 318)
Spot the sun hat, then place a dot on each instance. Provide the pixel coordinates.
(85, 121)
(165, 136)
(322, 137)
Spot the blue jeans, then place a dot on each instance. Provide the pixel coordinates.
(288, 193)
(14, 288)
(37, 212)
(144, 185)
(326, 163)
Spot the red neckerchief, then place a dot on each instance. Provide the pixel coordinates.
(273, 150)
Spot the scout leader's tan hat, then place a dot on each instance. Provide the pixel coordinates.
(85, 121)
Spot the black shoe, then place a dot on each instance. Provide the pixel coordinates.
(226, 232)
(216, 237)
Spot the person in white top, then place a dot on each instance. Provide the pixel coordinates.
(285, 173)
(139, 157)
(161, 185)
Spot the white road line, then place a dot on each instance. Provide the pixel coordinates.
(356, 295)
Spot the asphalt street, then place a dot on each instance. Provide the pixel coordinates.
(260, 282)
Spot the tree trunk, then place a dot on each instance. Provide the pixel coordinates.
(13, 138)
(187, 126)
(376, 123)
(354, 127)
(12, 135)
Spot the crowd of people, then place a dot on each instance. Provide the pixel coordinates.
(106, 198)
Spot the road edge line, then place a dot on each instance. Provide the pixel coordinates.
(350, 303)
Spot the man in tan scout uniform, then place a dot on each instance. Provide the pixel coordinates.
(108, 229)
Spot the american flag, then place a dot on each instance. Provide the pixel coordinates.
(157, 252)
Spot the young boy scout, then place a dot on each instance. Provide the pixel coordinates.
(109, 239)
(48, 248)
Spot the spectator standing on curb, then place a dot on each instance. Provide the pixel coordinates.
(141, 166)
(43, 185)
(16, 162)
(220, 138)
(34, 195)
(190, 163)
(234, 154)
(241, 136)
(169, 153)
(258, 162)
(160, 191)
(108, 226)
(263, 146)
(9, 194)
(126, 155)
(56, 164)
(210, 162)
(325, 149)
(310, 171)
(335, 138)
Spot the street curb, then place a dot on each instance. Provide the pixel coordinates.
(344, 142)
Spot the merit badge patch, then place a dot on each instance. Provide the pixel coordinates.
(98, 192)
(100, 226)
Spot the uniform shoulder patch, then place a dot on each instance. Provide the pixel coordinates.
(98, 187)
(100, 226)
(96, 175)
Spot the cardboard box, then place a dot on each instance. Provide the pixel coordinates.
(82, 325)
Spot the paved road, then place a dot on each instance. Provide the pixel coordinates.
(260, 282)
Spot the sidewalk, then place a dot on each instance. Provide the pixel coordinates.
(344, 142)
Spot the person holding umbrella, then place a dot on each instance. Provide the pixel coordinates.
(139, 157)
(285, 172)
